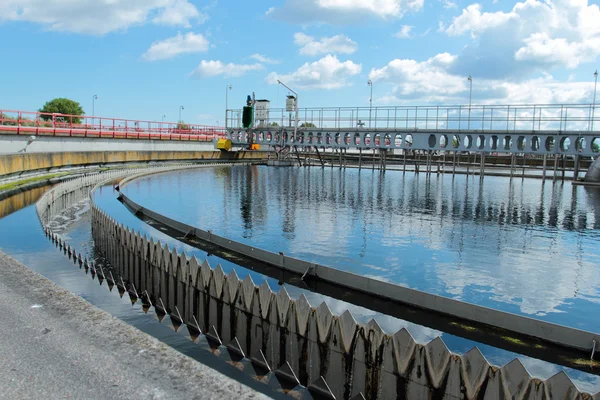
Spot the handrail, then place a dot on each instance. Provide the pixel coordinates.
(484, 117)
(56, 124)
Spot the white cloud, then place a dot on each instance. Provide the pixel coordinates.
(404, 32)
(450, 4)
(99, 17)
(432, 81)
(212, 68)
(265, 60)
(533, 35)
(474, 21)
(327, 45)
(414, 78)
(173, 46)
(342, 11)
(179, 12)
(326, 73)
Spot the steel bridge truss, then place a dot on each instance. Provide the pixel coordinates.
(530, 129)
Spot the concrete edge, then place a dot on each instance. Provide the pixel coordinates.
(150, 352)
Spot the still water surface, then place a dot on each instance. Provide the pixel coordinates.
(521, 246)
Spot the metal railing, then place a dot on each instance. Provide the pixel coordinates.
(520, 117)
(46, 124)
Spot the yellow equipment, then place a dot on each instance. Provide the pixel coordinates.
(224, 144)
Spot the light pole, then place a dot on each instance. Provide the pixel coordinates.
(470, 96)
(370, 83)
(180, 109)
(94, 98)
(227, 89)
(296, 105)
(594, 99)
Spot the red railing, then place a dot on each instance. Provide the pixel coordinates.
(46, 124)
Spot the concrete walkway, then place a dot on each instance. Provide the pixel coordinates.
(53, 344)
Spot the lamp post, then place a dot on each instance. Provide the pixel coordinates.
(296, 106)
(594, 99)
(470, 96)
(227, 89)
(94, 98)
(180, 109)
(370, 83)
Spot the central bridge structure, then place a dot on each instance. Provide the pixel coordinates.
(543, 129)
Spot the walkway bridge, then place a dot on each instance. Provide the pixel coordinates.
(563, 129)
(84, 126)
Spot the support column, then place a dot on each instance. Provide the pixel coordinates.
(576, 167)
(360, 158)
(453, 162)
(544, 167)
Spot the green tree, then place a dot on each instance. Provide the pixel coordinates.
(273, 124)
(596, 146)
(62, 106)
(308, 125)
(182, 126)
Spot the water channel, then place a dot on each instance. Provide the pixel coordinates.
(516, 245)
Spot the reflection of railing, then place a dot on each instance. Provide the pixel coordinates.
(45, 124)
(534, 117)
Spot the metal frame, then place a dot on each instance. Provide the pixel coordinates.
(532, 129)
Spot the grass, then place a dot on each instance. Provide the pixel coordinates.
(22, 182)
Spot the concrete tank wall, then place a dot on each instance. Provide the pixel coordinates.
(22, 162)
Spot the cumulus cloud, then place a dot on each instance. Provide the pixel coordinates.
(534, 35)
(404, 32)
(212, 68)
(99, 17)
(342, 11)
(327, 45)
(174, 46)
(262, 59)
(326, 73)
(433, 81)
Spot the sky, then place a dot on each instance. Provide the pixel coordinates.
(146, 58)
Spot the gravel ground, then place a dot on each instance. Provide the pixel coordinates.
(53, 344)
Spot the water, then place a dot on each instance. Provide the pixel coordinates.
(283, 208)
(520, 246)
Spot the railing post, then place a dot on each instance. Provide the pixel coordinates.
(492, 120)
(483, 118)
(437, 115)
(515, 121)
(533, 119)
(70, 125)
(426, 117)
(395, 116)
(19, 123)
(459, 116)
(447, 118)
(507, 117)
(561, 119)
(416, 113)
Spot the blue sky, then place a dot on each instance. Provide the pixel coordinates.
(145, 58)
